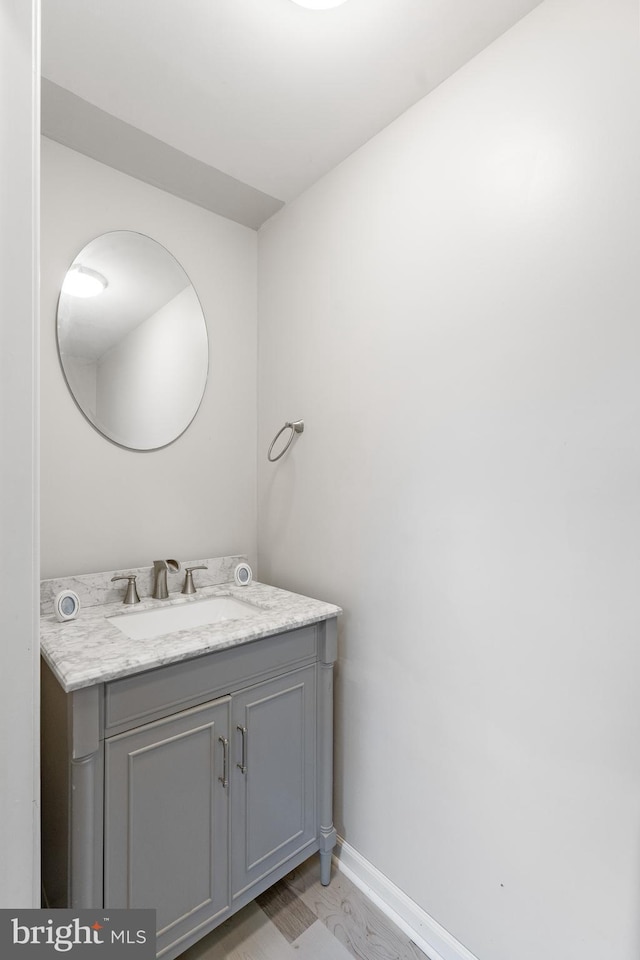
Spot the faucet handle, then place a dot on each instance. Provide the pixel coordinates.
(131, 596)
(189, 586)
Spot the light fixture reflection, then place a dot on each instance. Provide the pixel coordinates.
(83, 282)
(319, 4)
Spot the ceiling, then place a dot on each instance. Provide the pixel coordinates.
(240, 105)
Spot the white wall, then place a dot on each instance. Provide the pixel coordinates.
(19, 648)
(105, 507)
(454, 313)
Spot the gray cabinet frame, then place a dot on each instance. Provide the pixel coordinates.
(295, 671)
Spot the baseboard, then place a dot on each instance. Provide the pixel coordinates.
(436, 942)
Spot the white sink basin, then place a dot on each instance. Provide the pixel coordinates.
(146, 624)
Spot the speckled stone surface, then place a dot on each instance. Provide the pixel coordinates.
(91, 650)
(94, 589)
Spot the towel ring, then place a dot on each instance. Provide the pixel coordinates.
(296, 427)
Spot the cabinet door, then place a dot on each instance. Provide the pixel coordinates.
(274, 774)
(167, 819)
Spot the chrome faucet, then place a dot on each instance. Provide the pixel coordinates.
(160, 567)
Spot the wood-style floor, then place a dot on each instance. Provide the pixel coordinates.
(299, 919)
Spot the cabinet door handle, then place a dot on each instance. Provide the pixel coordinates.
(243, 763)
(224, 779)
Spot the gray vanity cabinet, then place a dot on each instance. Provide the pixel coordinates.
(166, 815)
(274, 775)
(192, 787)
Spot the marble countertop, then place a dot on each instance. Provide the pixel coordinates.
(91, 650)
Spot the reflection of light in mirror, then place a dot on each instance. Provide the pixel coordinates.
(83, 282)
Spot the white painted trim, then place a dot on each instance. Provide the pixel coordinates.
(427, 934)
(19, 453)
(35, 455)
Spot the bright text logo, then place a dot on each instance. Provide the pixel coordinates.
(82, 934)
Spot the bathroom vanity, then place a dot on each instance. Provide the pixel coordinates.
(189, 771)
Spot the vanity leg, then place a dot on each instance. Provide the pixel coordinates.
(325, 868)
(328, 655)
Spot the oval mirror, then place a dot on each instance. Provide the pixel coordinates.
(132, 340)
